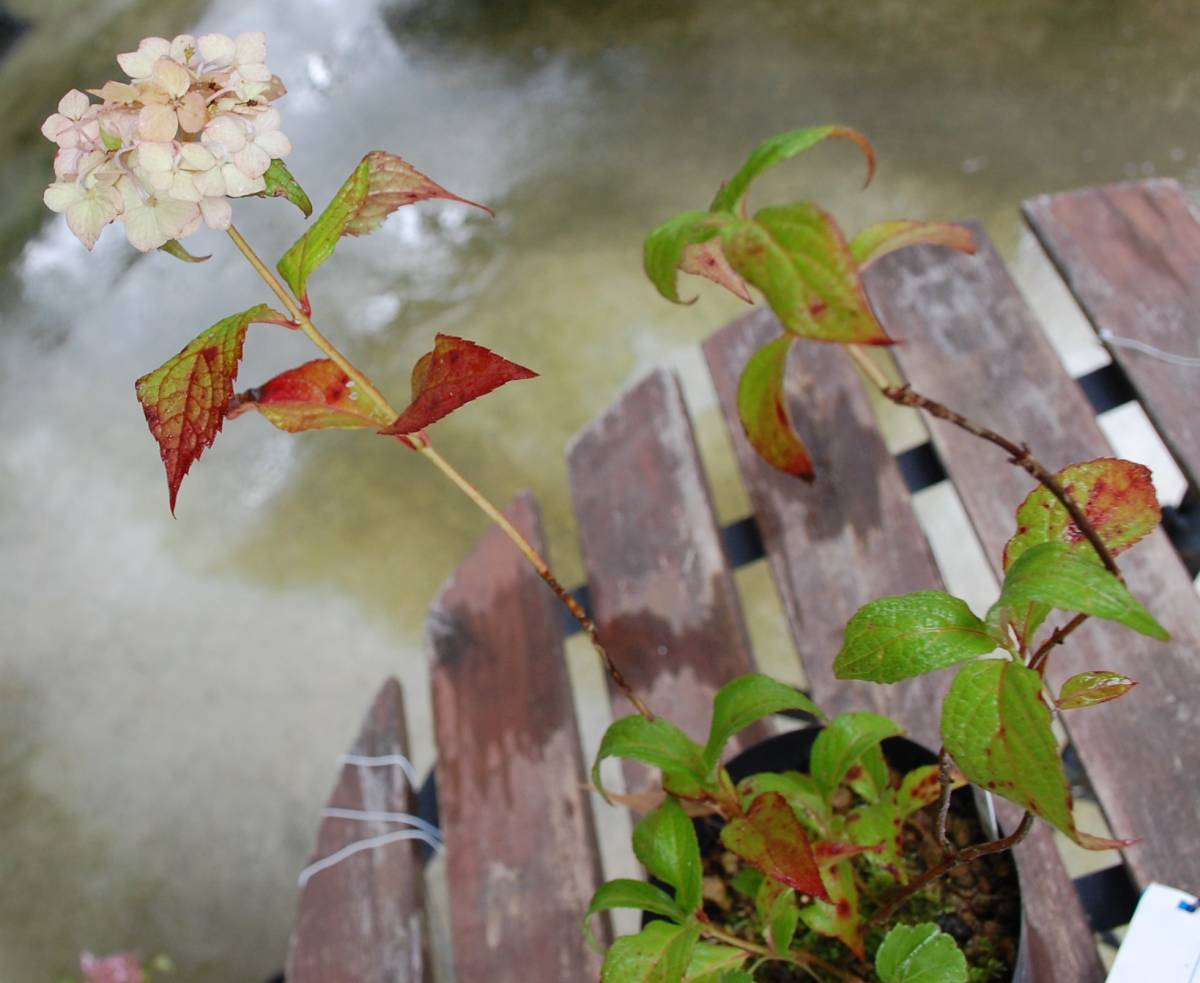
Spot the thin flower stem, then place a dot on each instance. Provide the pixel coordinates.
(420, 443)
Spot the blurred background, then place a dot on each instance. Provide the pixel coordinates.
(174, 692)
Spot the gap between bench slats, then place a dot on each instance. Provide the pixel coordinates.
(521, 855)
(973, 343)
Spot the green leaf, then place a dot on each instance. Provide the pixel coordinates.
(878, 824)
(838, 917)
(868, 777)
(779, 148)
(667, 246)
(747, 881)
(659, 953)
(665, 842)
(922, 787)
(894, 638)
(920, 954)
(799, 790)
(782, 921)
(707, 259)
(796, 255)
(997, 727)
(847, 738)
(714, 963)
(1058, 575)
(1117, 497)
(626, 893)
(763, 409)
(281, 184)
(186, 397)
(317, 395)
(380, 184)
(748, 699)
(877, 241)
(655, 742)
(173, 247)
(1088, 689)
(771, 838)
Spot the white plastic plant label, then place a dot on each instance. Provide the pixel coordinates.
(1163, 942)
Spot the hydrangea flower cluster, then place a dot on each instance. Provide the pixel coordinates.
(165, 151)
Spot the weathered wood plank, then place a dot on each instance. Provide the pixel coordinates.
(662, 592)
(973, 343)
(362, 920)
(845, 539)
(1131, 255)
(521, 855)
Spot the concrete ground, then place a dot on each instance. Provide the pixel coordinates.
(173, 692)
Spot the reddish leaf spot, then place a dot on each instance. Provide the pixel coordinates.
(772, 839)
(314, 396)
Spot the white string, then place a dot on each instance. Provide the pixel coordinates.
(369, 816)
(1140, 346)
(383, 761)
(357, 847)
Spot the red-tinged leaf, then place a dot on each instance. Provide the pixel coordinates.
(922, 787)
(1088, 689)
(877, 241)
(185, 399)
(1116, 496)
(380, 184)
(771, 838)
(455, 372)
(838, 917)
(828, 853)
(706, 259)
(314, 396)
(763, 410)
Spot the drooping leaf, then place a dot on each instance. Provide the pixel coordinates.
(894, 638)
(665, 842)
(455, 372)
(281, 184)
(626, 893)
(920, 954)
(1088, 689)
(659, 953)
(922, 787)
(1116, 496)
(655, 742)
(666, 250)
(380, 184)
(838, 917)
(173, 247)
(847, 738)
(185, 398)
(877, 241)
(796, 255)
(763, 410)
(772, 839)
(779, 148)
(782, 921)
(799, 790)
(1060, 576)
(997, 727)
(713, 963)
(747, 699)
(314, 396)
(706, 259)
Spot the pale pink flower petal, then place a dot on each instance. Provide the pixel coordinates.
(88, 216)
(74, 104)
(152, 157)
(126, 967)
(197, 157)
(251, 48)
(193, 113)
(252, 160)
(139, 64)
(217, 49)
(217, 212)
(225, 134)
(61, 195)
(274, 143)
(158, 124)
(172, 77)
(55, 126)
(238, 184)
(183, 48)
(254, 72)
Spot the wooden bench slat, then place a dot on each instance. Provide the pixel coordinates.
(849, 537)
(973, 343)
(362, 920)
(662, 592)
(1130, 254)
(521, 855)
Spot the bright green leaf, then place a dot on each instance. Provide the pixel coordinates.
(655, 742)
(847, 738)
(667, 247)
(779, 148)
(782, 921)
(920, 954)
(877, 241)
(1087, 689)
(1058, 575)
(763, 409)
(894, 638)
(838, 917)
(800, 791)
(747, 881)
(714, 963)
(281, 184)
(665, 842)
(771, 838)
(173, 247)
(659, 953)
(745, 700)
(868, 777)
(626, 893)
(922, 787)
(878, 824)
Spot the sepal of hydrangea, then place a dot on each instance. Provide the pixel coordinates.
(186, 397)
(173, 247)
(380, 184)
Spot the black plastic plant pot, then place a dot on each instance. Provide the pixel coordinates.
(790, 752)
